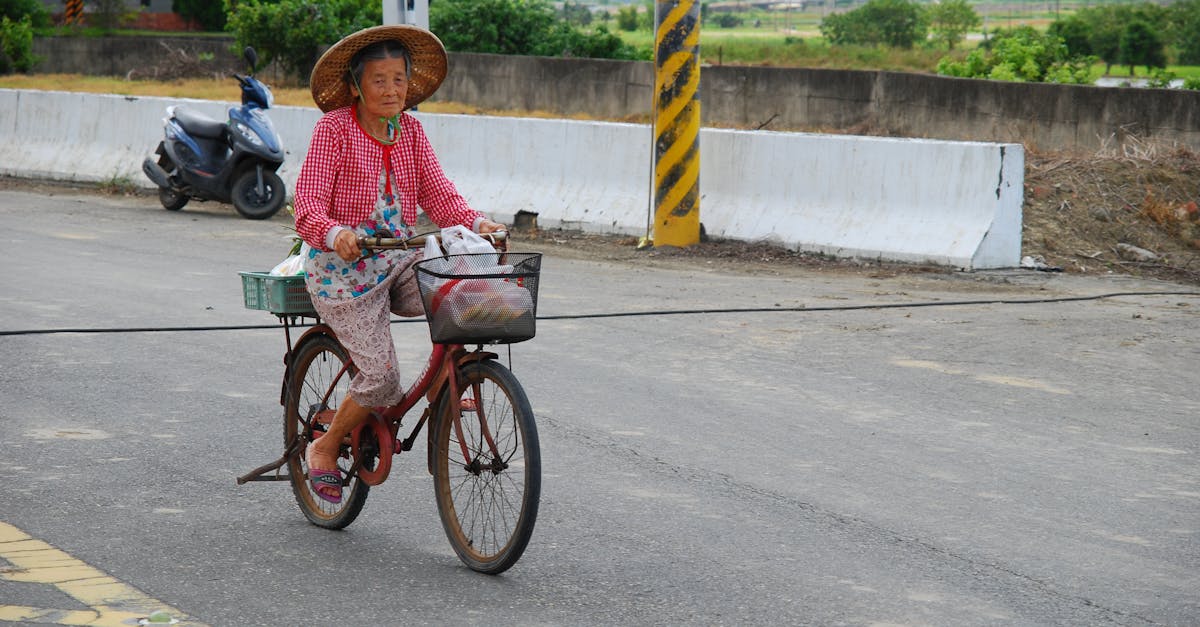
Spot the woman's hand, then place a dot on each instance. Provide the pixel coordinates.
(345, 244)
(487, 226)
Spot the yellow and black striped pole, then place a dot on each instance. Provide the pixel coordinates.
(74, 12)
(676, 123)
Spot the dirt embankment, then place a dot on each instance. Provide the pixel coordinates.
(1131, 212)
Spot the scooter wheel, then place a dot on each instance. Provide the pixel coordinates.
(171, 200)
(252, 204)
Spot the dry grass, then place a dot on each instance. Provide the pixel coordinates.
(1079, 209)
(225, 88)
(198, 88)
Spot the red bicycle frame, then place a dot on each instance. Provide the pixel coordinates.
(384, 422)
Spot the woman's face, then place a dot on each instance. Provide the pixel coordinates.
(384, 86)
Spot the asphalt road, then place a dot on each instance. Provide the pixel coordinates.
(975, 453)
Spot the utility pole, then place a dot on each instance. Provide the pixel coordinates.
(415, 12)
(73, 12)
(676, 218)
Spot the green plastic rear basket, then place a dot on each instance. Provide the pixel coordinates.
(276, 294)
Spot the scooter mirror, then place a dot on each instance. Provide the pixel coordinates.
(251, 58)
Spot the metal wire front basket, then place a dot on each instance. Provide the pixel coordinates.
(480, 298)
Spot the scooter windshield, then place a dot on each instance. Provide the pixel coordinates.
(257, 93)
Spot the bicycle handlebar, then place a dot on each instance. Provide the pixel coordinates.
(417, 241)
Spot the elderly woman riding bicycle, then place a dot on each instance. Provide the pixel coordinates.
(369, 169)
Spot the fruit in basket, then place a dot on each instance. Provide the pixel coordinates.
(489, 314)
(476, 303)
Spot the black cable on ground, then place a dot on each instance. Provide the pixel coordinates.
(631, 314)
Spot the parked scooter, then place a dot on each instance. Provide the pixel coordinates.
(232, 161)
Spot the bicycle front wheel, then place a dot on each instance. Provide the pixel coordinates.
(318, 383)
(487, 469)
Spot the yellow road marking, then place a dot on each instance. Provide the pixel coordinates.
(986, 378)
(112, 603)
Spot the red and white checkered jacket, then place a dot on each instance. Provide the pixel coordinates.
(339, 180)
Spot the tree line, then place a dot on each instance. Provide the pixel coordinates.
(1129, 35)
(293, 33)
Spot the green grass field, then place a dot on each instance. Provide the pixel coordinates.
(745, 46)
(792, 39)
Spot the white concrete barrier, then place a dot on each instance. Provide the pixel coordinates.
(950, 203)
(584, 175)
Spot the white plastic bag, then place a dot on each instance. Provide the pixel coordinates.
(460, 240)
(437, 262)
(292, 265)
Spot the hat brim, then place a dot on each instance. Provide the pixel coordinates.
(428, 57)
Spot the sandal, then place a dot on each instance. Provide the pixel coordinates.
(327, 484)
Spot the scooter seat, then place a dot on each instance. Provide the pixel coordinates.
(198, 124)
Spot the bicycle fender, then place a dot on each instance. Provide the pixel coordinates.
(317, 329)
(476, 356)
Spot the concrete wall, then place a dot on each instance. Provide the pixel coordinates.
(1048, 117)
(951, 203)
(1045, 116)
(598, 87)
(135, 57)
(155, 6)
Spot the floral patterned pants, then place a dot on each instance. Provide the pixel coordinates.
(363, 326)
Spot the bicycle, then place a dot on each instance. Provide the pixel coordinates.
(482, 442)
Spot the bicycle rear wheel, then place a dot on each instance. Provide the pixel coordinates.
(314, 392)
(487, 469)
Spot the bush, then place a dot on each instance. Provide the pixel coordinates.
(627, 18)
(565, 41)
(16, 45)
(1160, 78)
(521, 27)
(208, 14)
(950, 20)
(1185, 32)
(1107, 25)
(895, 23)
(576, 13)
(110, 14)
(1141, 45)
(295, 32)
(1021, 54)
(1074, 33)
(35, 10)
(729, 20)
(491, 26)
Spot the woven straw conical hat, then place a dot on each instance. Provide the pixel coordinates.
(330, 90)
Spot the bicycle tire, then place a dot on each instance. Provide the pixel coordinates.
(315, 364)
(488, 504)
